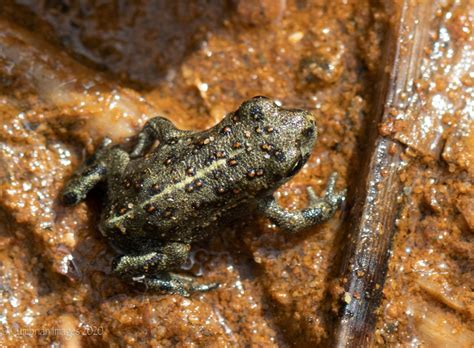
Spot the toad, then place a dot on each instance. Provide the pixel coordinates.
(176, 187)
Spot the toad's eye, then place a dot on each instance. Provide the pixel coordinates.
(308, 132)
(296, 167)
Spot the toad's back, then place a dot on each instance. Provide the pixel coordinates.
(183, 187)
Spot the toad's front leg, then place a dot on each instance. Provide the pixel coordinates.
(151, 269)
(320, 209)
(107, 163)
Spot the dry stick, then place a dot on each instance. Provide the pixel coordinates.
(373, 217)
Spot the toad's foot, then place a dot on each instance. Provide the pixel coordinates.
(331, 198)
(108, 162)
(174, 284)
(151, 269)
(320, 209)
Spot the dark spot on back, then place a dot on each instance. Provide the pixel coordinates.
(201, 142)
(226, 130)
(232, 162)
(189, 188)
(266, 147)
(220, 154)
(149, 208)
(155, 189)
(198, 183)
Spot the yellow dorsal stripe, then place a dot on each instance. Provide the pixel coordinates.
(201, 173)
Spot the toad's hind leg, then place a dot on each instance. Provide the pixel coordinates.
(107, 162)
(157, 128)
(319, 210)
(151, 269)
